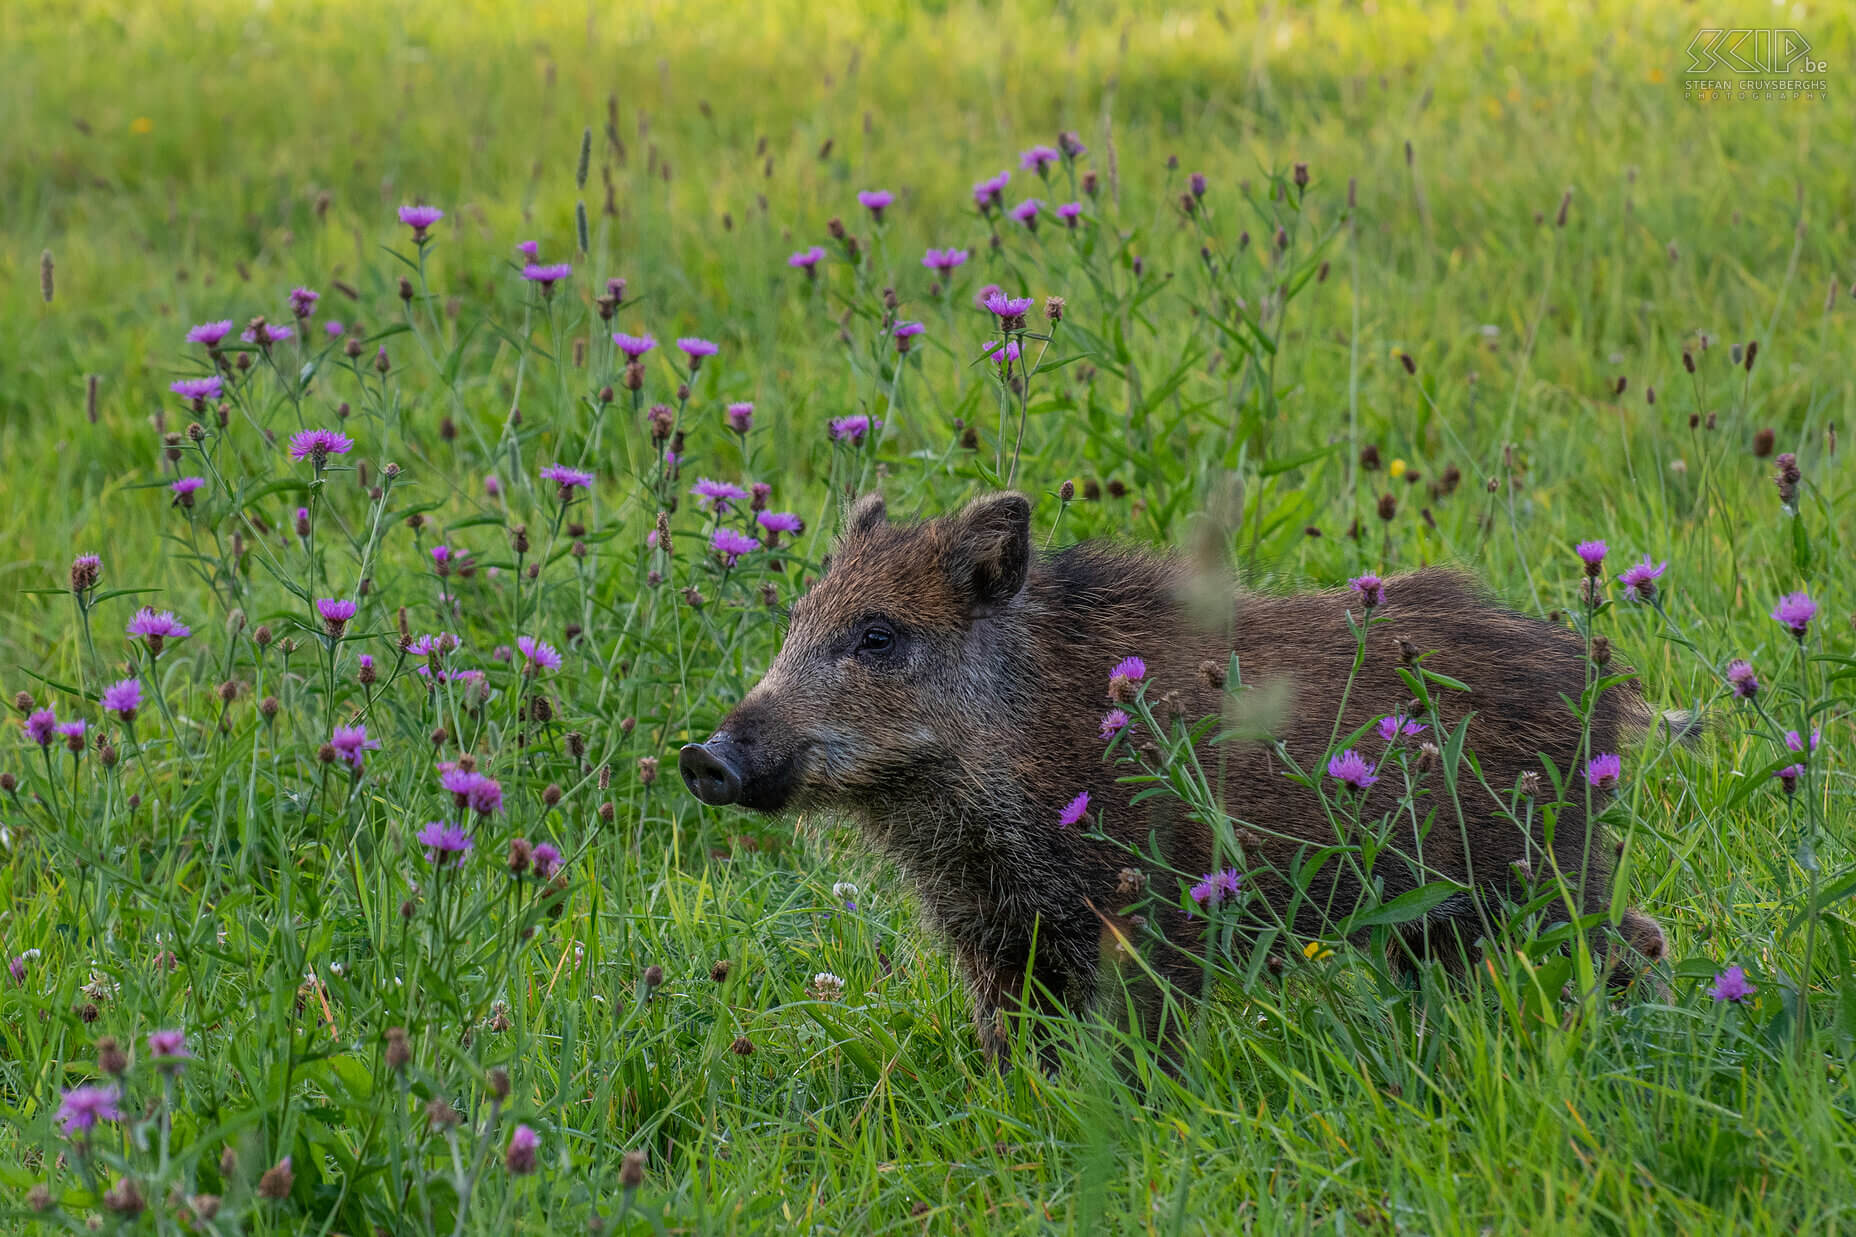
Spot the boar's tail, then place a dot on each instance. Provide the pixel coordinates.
(1684, 726)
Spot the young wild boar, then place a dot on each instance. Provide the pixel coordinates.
(945, 686)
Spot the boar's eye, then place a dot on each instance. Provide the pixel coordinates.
(877, 639)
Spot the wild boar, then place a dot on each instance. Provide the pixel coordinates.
(945, 686)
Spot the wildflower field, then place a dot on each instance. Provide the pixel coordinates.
(415, 420)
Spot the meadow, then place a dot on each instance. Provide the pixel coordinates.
(350, 887)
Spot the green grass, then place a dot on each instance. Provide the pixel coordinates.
(184, 162)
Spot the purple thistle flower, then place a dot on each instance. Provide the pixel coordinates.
(945, 260)
(852, 429)
(85, 570)
(634, 346)
(1371, 588)
(1008, 309)
(807, 260)
(1603, 770)
(1073, 811)
(1395, 724)
(212, 334)
(1070, 212)
(990, 192)
(740, 416)
(197, 391)
(907, 330)
(1113, 723)
(1352, 769)
(547, 275)
(73, 733)
(351, 744)
(40, 725)
(1129, 669)
(546, 860)
(442, 840)
(731, 545)
(1026, 212)
(1196, 183)
(1592, 554)
(1796, 743)
(1796, 610)
(185, 488)
(270, 333)
(1745, 682)
(303, 301)
(1002, 354)
(419, 218)
(335, 329)
(1731, 985)
(170, 1049)
(81, 1109)
(529, 249)
(875, 201)
(123, 698)
(780, 522)
(717, 495)
(16, 967)
(156, 628)
(1639, 580)
(317, 446)
(696, 349)
(568, 479)
(335, 612)
(519, 1159)
(433, 645)
(1039, 158)
(539, 654)
(473, 790)
(1217, 888)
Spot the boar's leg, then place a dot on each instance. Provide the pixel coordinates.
(996, 985)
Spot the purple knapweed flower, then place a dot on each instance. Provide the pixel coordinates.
(1795, 742)
(303, 301)
(807, 260)
(1603, 770)
(123, 698)
(696, 349)
(569, 479)
(474, 790)
(1026, 212)
(519, 1159)
(1217, 888)
(334, 329)
(1196, 183)
(352, 745)
(86, 569)
(740, 416)
(1073, 811)
(547, 275)
(1745, 682)
(419, 218)
(335, 612)
(780, 522)
(1003, 354)
(445, 844)
(73, 733)
(317, 446)
(1731, 985)
(1352, 769)
(1371, 589)
(1113, 723)
(1039, 158)
(717, 495)
(80, 1110)
(157, 628)
(1592, 554)
(731, 545)
(40, 725)
(634, 346)
(546, 860)
(1639, 579)
(185, 488)
(1796, 610)
(1070, 212)
(196, 391)
(945, 260)
(852, 429)
(876, 201)
(1129, 670)
(905, 331)
(16, 968)
(1010, 310)
(539, 654)
(435, 645)
(990, 192)
(169, 1049)
(212, 334)
(267, 334)
(529, 249)
(1396, 724)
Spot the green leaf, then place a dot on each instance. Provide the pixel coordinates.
(1408, 906)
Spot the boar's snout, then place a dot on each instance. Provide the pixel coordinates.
(708, 772)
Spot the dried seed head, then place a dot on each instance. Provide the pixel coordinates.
(1530, 784)
(1211, 674)
(1388, 506)
(1763, 442)
(631, 1170)
(276, 1182)
(399, 1052)
(647, 769)
(498, 1084)
(653, 976)
(111, 1059)
(719, 972)
(742, 1047)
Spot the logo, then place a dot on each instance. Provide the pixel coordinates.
(1750, 52)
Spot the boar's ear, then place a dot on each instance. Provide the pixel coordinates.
(991, 554)
(869, 512)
